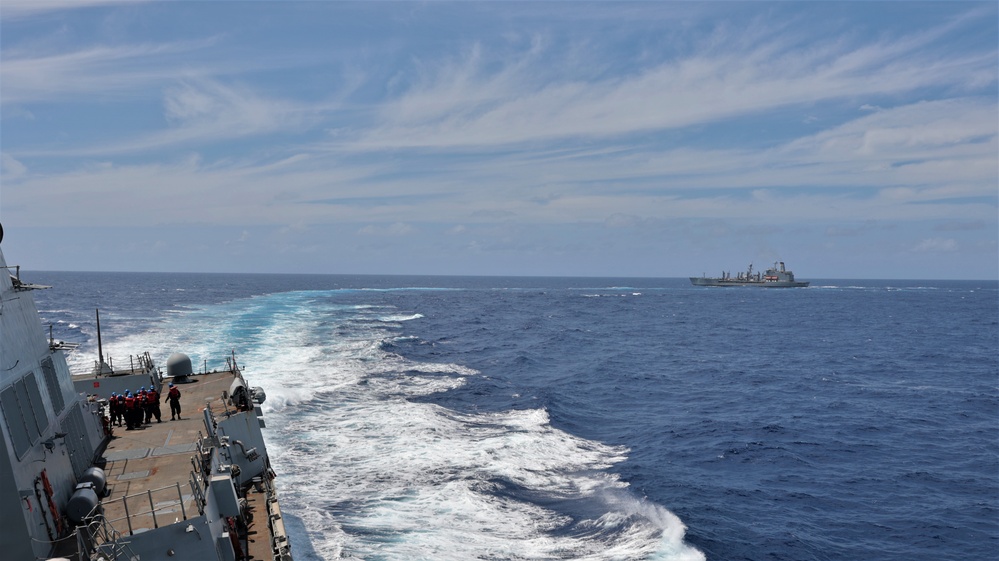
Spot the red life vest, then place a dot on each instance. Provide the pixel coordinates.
(174, 393)
(152, 396)
(130, 403)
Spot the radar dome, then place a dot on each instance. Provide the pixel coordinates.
(179, 367)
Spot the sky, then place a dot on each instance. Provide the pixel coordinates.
(850, 140)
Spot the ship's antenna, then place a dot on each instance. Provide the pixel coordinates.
(100, 348)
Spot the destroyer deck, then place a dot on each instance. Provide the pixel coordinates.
(149, 469)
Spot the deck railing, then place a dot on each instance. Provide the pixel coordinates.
(143, 511)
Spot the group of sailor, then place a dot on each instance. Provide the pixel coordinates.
(135, 409)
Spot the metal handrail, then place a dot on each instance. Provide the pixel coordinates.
(152, 510)
(101, 535)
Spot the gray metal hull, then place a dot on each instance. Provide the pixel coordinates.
(775, 277)
(708, 281)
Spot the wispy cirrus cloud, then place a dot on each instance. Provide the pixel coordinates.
(206, 111)
(201, 113)
(949, 142)
(19, 9)
(108, 72)
(472, 102)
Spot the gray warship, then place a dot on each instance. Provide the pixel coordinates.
(774, 277)
(73, 485)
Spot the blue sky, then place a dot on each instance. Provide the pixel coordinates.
(664, 139)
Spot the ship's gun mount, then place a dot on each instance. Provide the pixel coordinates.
(240, 396)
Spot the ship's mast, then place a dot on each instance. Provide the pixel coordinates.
(100, 348)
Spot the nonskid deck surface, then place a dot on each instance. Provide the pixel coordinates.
(151, 466)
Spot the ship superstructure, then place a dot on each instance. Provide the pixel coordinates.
(50, 434)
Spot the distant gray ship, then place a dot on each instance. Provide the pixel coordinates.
(774, 277)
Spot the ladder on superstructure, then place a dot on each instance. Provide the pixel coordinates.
(102, 537)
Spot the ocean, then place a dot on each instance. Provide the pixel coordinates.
(485, 418)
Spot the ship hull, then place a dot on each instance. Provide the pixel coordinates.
(776, 276)
(707, 281)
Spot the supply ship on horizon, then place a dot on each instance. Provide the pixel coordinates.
(73, 485)
(774, 277)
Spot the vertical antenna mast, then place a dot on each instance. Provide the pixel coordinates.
(100, 349)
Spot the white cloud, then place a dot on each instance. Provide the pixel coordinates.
(940, 142)
(203, 112)
(12, 169)
(936, 245)
(244, 236)
(471, 103)
(103, 71)
(790, 183)
(211, 110)
(18, 9)
(960, 225)
(391, 230)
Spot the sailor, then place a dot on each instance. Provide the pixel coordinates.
(120, 400)
(121, 409)
(144, 411)
(173, 395)
(129, 410)
(113, 409)
(136, 410)
(153, 398)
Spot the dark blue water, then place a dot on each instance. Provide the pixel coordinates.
(849, 420)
